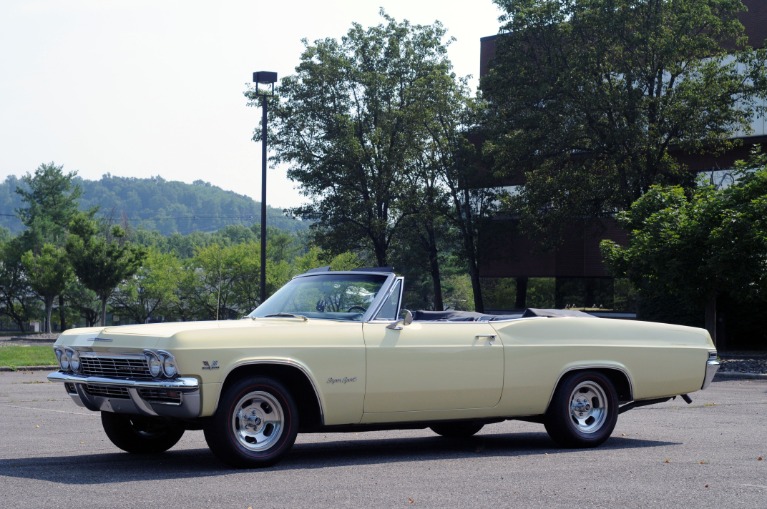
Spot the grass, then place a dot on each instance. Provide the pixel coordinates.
(24, 356)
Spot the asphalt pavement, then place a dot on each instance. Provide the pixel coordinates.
(711, 453)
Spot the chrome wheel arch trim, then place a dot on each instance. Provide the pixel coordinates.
(280, 362)
(595, 366)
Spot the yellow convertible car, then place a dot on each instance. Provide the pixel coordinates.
(334, 351)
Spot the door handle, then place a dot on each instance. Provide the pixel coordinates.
(489, 339)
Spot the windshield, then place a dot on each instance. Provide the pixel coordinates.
(329, 296)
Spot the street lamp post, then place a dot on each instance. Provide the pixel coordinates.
(263, 78)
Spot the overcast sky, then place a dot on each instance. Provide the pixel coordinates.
(140, 88)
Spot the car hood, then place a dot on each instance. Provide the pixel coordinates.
(160, 334)
(166, 330)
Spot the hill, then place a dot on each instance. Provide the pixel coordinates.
(158, 204)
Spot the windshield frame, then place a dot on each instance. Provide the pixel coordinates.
(274, 305)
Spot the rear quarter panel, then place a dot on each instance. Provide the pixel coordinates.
(659, 360)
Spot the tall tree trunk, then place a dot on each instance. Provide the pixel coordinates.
(104, 311)
(479, 305)
(434, 269)
(521, 298)
(47, 328)
(62, 315)
(469, 243)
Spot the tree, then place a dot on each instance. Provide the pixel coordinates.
(151, 292)
(227, 280)
(588, 98)
(472, 202)
(350, 121)
(697, 246)
(16, 297)
(82, 303)
(48, 274)
(101, 261)
(51, 199)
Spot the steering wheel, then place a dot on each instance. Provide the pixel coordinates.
(356, 308)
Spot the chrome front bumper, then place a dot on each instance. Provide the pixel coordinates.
(179, 398)
(712, 366)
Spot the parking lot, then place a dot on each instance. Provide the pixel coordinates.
(712, 453)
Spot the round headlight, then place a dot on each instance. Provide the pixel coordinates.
(74, 360)
(169, 365)
(59, 356)
(155, 364)
(64, 360)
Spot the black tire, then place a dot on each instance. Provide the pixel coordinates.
(583, 411)
(141, 435)
(255, 425)
(457, 429)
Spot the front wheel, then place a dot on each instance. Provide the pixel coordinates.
(255, 425)
(140, 435)
(583, 411)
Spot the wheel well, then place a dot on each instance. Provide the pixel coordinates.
(618, 378)
(294, 380)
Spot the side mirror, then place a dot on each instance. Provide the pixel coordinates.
(407, 319)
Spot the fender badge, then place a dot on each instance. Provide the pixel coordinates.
(207, 365)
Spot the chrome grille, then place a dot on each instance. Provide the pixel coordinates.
(107, 391)
(161, 396)
(133, 368)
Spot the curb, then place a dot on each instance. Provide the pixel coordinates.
(734, 375)
(6, 369)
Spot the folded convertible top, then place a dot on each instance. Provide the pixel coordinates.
(472, 316)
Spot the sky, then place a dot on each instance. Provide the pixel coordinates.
(143, 88)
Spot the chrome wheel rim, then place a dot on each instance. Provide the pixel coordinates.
(588, 407)
(258, 421)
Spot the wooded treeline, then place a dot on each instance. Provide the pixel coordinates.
(156, 204)
(72, 267)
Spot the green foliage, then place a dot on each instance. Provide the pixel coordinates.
(351, 121)
(48, 273)
(17, 301)
(374, 127)
(35, 261)
(696, 246)
(588, 97)
(50, 200)
(458, 293)
(101, 260)
(229, 279)
(139, 274)
(150, 294)
(79, 305)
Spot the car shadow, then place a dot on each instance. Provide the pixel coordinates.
(191, 463)
(365, 452)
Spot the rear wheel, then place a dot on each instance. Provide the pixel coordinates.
(457, 429)
(583, 411)
(255, 425)
(141, 435)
